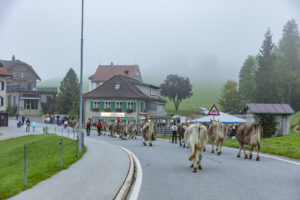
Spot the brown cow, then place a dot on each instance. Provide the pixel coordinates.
(132, 130)
(216, 134)
(148, 133)
(248, 133)
(181, 129)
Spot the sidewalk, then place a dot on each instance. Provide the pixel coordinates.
(99, 174)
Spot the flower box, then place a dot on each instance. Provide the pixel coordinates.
(107, 110)
(118, 109)
(129, 110)
(96, 109)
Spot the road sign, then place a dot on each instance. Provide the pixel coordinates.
(214, 111)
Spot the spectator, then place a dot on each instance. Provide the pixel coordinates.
(174, 133)
(19, 123)
(27, 125)
(23, 119)
(33, 126)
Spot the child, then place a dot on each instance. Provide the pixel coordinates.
(33, 126)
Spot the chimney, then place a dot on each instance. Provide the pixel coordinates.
(13, 57)
(111, 65)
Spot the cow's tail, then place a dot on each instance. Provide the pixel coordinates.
(194, 151)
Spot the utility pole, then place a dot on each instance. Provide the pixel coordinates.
(81, 66)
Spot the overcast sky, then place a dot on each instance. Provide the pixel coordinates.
(188, 37)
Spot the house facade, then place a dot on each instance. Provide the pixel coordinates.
(125, 98)
(3, 85)
(105, 72)
(281, 112)
(22, 90)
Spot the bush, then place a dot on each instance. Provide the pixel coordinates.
(11, 110)
(268, 123)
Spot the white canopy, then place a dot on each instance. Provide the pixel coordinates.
(223, 117)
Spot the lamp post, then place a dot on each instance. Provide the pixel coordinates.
(81, 66)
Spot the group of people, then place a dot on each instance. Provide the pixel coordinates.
(98, 125)
(27, 123)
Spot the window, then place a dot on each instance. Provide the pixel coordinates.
(22, 74)
(153, 92)
(1, 85)
(119, 104)
(1, 101)
(96, 104)
(31, 104)
(117, 86)
(130, 105)
(107, 104)
(126, 72)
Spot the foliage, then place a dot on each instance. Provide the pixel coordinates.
(268, 123)
(264, 74)
(295, 119)
(68, 97)
(43, 161)
(283, 146)
(176, 89)
(247, 84)
(11, 110)
(230, 98)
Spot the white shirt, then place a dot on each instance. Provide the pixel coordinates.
(174, 128)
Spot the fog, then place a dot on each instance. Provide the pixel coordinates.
(198, 39)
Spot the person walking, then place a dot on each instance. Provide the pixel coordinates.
(99, 126)
(23, 119)
(33, 126)
(27, 125)
(174, 133)
(88, 127)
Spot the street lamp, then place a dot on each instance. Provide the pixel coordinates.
(81, 66)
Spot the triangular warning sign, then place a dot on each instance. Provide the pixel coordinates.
(214, 111)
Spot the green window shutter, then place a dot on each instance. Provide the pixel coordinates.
(2, 85)
(124, 106)
(134, 121)
(101, 106)
(91, 105)
(1, 101)
(134, 106)
(113, 106)
(123, 120)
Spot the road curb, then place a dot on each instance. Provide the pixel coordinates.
(124, 190)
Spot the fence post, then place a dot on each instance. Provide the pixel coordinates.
(82, 135)
(68, 132)
(77, 147)
(25, 165)
(55, 129)
(61, 153)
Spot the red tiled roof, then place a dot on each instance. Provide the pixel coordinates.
(3, 72)
(105, 72)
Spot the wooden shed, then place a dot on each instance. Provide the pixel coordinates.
(282, 114)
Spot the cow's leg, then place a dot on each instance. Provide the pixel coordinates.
(258, 148)
(179, 138)
(212, 146)
(144, 142)
(239, 153)
(150, 144)
(245, 153)
(200, 158)
(194, 163)
(220, 147)
(250, 153)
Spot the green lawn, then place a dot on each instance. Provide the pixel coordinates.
(43, 161)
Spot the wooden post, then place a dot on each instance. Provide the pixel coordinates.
(25, 165)
(77, 147)
(61, 153)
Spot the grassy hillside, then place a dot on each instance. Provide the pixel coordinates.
(294, 120)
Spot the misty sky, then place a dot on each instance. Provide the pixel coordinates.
(188, 37)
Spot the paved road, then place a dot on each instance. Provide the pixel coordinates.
(167, 175)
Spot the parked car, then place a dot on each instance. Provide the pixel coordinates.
(203, 111)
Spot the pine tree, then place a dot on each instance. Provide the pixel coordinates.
(288, 65)
(230, 99)
(265, 92)
(247, 85)
(68, 97)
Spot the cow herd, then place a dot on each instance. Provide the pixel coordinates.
(194, 136)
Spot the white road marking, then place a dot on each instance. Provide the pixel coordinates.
(269, 156)
(135, 190)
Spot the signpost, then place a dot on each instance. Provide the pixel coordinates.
(214, 111)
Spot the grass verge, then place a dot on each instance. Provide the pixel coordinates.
(43, 161)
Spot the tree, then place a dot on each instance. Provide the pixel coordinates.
(230, 98)
(265, 73)
(247, 84)
(288, 64)
(68, 97)
(176, 89)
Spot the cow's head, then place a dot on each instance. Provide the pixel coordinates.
(231, 131)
